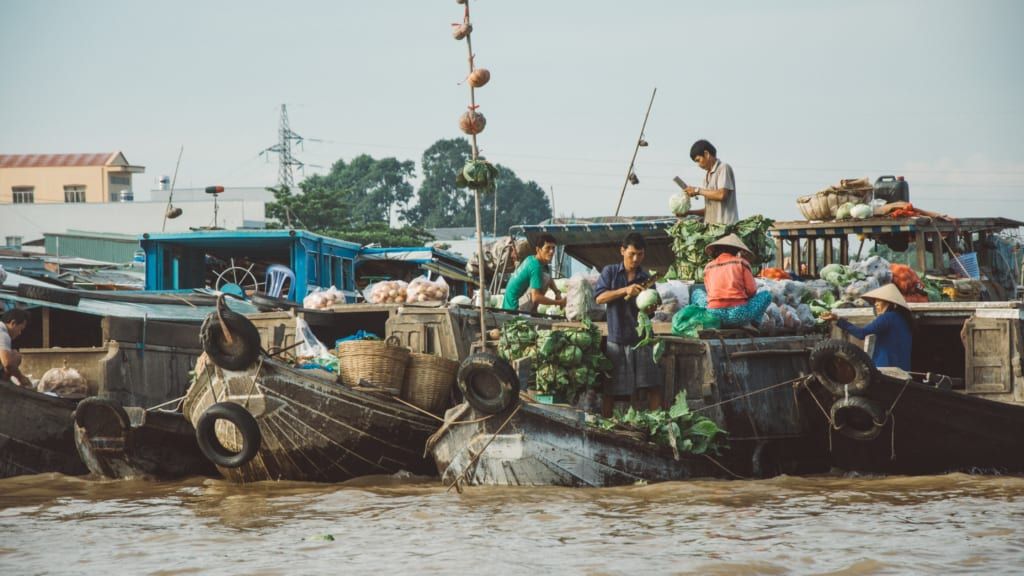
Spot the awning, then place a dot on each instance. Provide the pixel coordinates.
(596, 244)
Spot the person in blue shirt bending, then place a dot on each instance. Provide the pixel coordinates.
(892, 327)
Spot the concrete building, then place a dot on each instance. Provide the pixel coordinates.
(66, 178)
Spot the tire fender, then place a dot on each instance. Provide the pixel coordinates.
(488, 383)
(858, 418)
(842, 367)
(211, 446)
(244, 348)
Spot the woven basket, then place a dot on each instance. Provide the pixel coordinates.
(379, 363)
(823, 205)
(428, 381)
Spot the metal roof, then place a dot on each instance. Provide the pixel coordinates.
(596, 243)
(180, 313)
(56, 160)
(241, 238)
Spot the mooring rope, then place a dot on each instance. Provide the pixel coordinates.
(456, 483)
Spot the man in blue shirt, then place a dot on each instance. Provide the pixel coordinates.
(633, 368)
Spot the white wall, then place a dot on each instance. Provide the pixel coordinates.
(30, 221)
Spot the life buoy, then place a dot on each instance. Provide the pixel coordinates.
(488, 383)
(842, 368)
(241, 351)
(857, 418)
(211, 446)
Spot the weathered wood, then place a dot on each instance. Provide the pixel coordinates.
(919, 251)
(36, 433)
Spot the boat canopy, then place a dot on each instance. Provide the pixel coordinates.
(595, 242)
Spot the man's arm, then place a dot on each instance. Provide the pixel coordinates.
(716, 195)
(11, 361)
(540, 297)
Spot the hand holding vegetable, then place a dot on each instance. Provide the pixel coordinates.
(828, 316)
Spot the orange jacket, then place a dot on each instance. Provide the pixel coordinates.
(729, 281)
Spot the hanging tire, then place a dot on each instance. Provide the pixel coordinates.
(858, 418)
(55, 295)
(102, 418)
(269, 303)
(489, 383)
(244, 347)
(842, 367)
(211, 446)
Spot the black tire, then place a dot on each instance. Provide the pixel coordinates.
(858, 418)
(55, 295)
(268, 303)
(210, 445)
(489, 383)
(244, 348)
(102, 417)
(842, 368)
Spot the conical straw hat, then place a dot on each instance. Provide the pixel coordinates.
(888, 293)
(730, 240)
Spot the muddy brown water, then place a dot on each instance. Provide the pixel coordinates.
(52, 524)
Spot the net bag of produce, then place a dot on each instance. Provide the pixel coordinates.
(63, 382)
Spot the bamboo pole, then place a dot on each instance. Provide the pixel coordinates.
(636, 149)
(481, 270)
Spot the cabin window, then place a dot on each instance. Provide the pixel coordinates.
(23, 194)
(337, 274)
(311, 275)
(347, 282)
(13, 241)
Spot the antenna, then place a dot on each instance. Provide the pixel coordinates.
(216, 191)
(283, 148)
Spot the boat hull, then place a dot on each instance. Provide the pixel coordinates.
(312, 428)
(36, 434)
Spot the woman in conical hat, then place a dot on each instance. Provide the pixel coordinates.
(730, 293)
(892, 326)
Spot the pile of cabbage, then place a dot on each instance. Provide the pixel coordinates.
(792, 303)
(690, 236)
(566, 362)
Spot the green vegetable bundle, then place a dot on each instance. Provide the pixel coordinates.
(478, 174)
(677, 427)
(518, 340)
(690, 236)
(569, 361)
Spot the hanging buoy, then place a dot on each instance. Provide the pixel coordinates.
(479, 77)
(461, 30)
(172, 212)
(472, 122)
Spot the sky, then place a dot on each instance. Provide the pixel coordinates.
(795, 94)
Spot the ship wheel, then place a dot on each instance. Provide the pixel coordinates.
(236, 280)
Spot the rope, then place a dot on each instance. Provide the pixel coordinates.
(719, 464)
(252, 387)
(472, 463)
(178, 399)
(828, 417)
(742, 396)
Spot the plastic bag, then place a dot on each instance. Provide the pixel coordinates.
(319, 298)
(63, 382)
(579, 298)
(387, 292)
(422, 289)
(691, 320)
(805, 315)
(674, 290)
(308, 346)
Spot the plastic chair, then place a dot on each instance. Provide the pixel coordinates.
(276, 275)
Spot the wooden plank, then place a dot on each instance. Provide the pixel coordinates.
(988, 356)
(827, 251)
(779, 256)
(844, 250)
(919, 249)
(46, 327)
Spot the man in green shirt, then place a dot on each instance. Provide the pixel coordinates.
(527, 288)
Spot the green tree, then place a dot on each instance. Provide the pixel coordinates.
(441, 204)
(382, 234)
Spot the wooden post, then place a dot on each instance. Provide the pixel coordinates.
(937, 262)
(780, 259)
(794, 253)
(919, 243)
(828, 250)
(46, 327)
(812, 257)
(844, 250)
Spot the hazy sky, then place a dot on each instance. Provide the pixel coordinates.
(795, 94)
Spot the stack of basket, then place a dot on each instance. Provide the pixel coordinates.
(423, 380)
(823, 204)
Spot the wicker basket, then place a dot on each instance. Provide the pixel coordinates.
(382, 364)
(428, 381)
(823, 205)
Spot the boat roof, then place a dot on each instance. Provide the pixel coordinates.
(804, 228)
(439, 261)
(244, 239)
(595, 241)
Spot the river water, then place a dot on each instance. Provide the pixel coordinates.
(52, 524)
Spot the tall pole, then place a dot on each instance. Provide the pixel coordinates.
(635, 149)
(476, 196)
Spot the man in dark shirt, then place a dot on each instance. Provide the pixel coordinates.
(634, 369)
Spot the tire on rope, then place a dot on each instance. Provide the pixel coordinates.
(211, 446)
(102, 418)
(269, 303)
(489, 383)
(244, 348)
(55, 295)
(858, 418)
(842, 367)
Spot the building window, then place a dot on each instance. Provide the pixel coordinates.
(74, 194)
(13, 241)
(24, 194)
(120, 180)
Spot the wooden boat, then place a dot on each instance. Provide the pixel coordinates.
(747, 385)
(292, 424)
(36, 434)
(117, 442)
(966, 414)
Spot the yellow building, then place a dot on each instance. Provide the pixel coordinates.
(66, 178)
